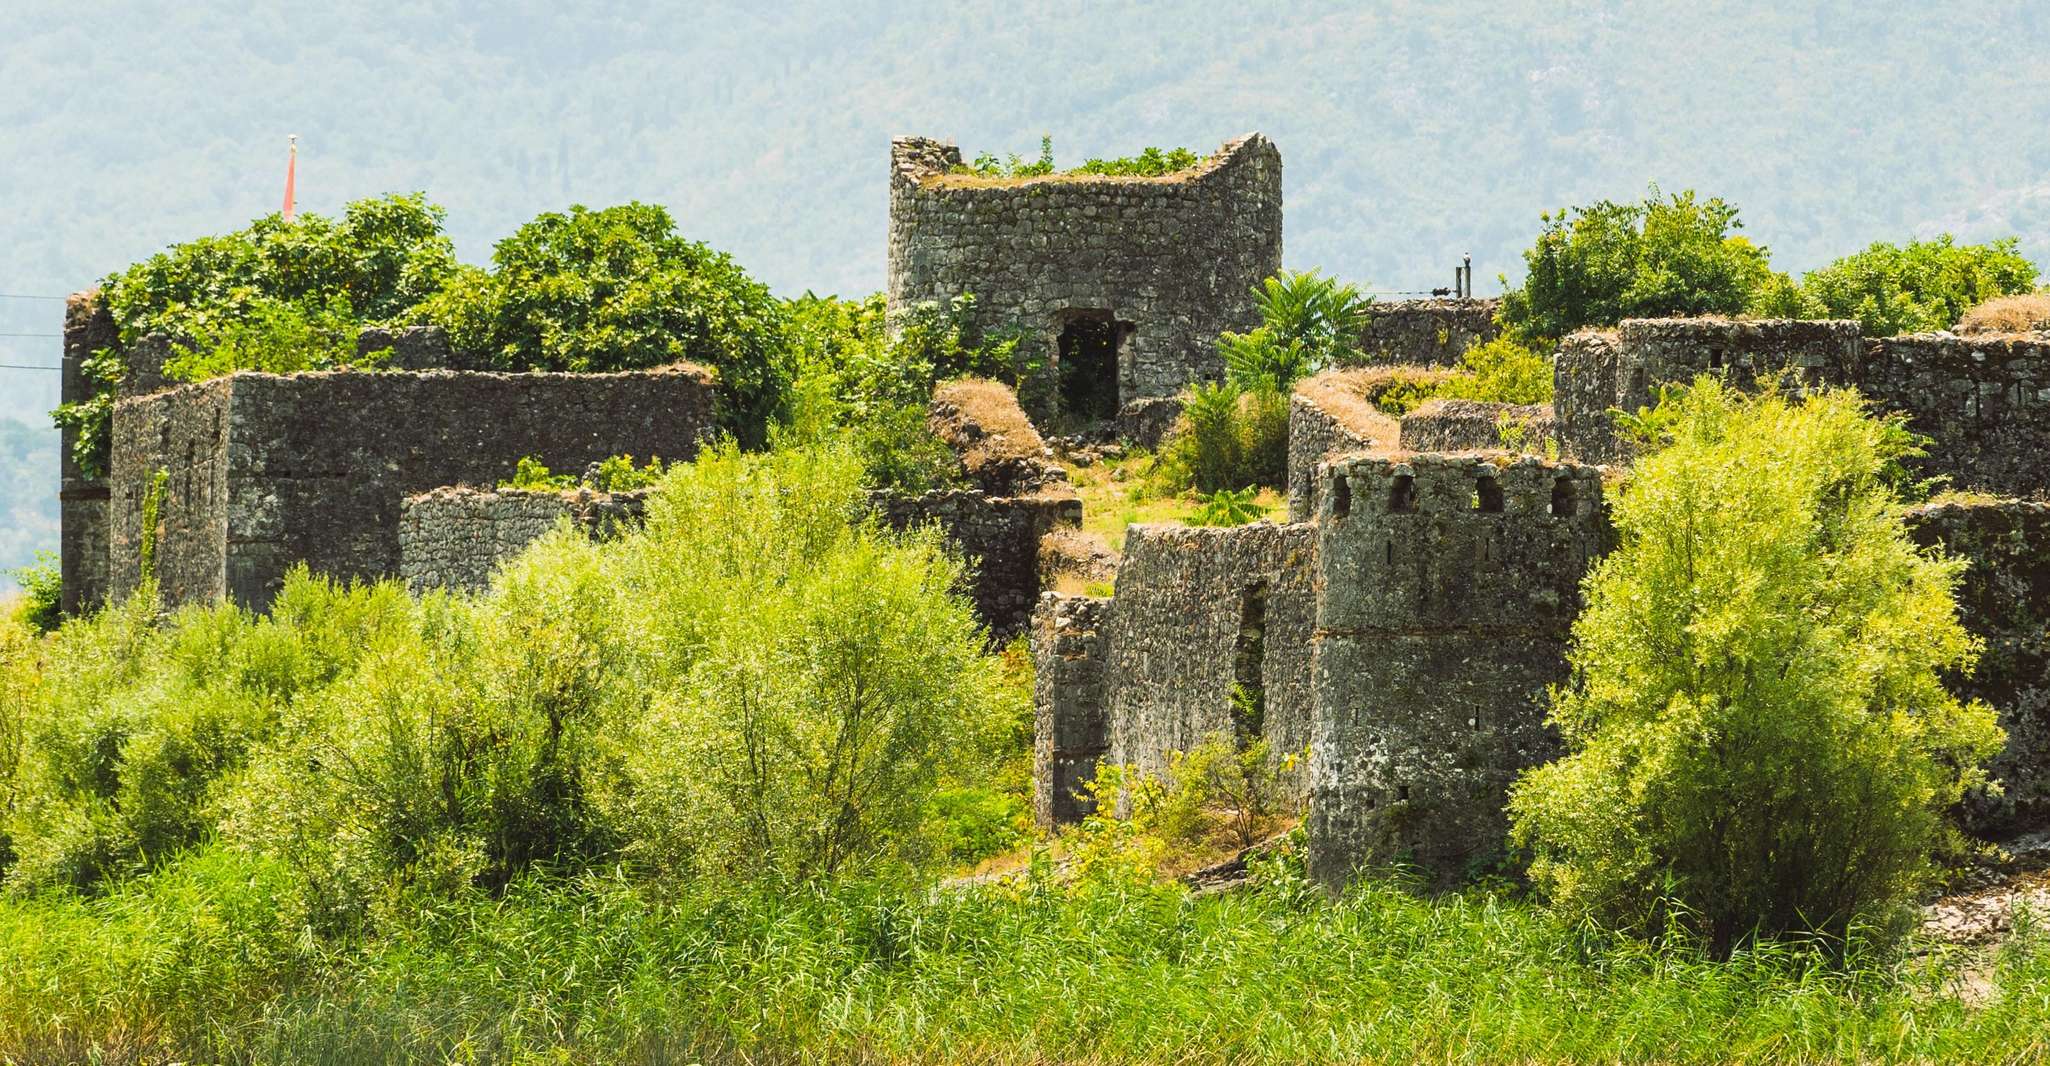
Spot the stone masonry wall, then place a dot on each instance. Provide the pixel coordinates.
(456, 538)
(2004, 599)
(1188, 602)
(999, 536)
(263, 471)
(1176, 257)
(1446, 588)
(1071, 730)
(1596, 371)
(1984, 402)
(82, 500)
(1469, 425)
(1428, 332)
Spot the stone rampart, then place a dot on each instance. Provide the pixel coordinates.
(2005, 600)
(1200, 612)
(1071, 729)
(1428, 332)
(1446, 589)
(1623, 369)
(457, 537)
(252, 473)
(1145, 272)
(1470, 425)
(997, 535)
(1983, 401)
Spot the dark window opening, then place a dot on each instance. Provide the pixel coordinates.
(1562, 497)
(1487, 495)
(1715, 358)
(1391, 553)
(1088, 364)
(1402, 494)
(1248, 667)
(1341, 496)
(1402, 793)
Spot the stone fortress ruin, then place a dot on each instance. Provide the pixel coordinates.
(1401, 627)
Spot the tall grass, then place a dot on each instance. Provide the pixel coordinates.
(201, 960)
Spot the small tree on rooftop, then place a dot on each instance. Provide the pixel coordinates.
(1757, 738)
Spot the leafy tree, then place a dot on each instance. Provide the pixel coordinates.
(618, 289)
(1917, 287)
(1757, 738)
(42, 592)
(1500, 371)
(1600, 264)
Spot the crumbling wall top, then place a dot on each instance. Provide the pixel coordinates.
(928, 163)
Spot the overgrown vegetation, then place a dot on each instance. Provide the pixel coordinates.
(1681, 255)
(1600, 264)
(853, 382)
(614, 473)
(619, 289)
(1912, 288)
(1233, 434)
(1758, 738)
(583, 290)
(276, 296)
(1149, 163)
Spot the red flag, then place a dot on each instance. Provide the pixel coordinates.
(291, 176)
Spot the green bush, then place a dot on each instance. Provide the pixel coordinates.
(276, 296)
(1600, 264)
(855, 383)
(1228, 437)
(42, 593)
(1919, 287)
(1757, 737)
(619, 289)
(1500, 371)
(614, 473)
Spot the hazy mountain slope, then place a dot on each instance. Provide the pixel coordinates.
(1410, 131)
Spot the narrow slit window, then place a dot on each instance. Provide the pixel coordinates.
(1341, 496)
(1249, 683)
(1562, 497)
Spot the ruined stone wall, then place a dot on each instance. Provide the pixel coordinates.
(1984, 402)
(998, 535)
(1470, 425)
(1327, 417)
(1446, 589)
(2005, 600)
(264, 471)
(1597, 370)
(999, 448)
(1428, 332)
(1071, 726)
(82, 500)
(1189, 606)
(456, 538)
(1172, 259)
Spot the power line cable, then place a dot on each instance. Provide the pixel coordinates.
(25, 296)
(31, 334)
(27, 366)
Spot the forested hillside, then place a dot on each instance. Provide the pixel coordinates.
(1411, 132)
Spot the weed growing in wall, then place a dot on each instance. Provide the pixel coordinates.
(1149, 163)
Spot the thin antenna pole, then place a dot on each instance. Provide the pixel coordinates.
(291, 176)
